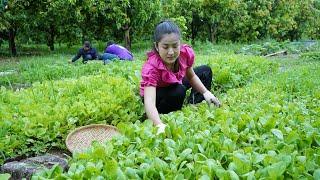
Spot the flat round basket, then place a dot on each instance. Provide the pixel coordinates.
(81, 138)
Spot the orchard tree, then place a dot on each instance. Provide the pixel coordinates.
(214, 15)
(307, 20)
(188, 12)
(133, 16)
(43, 21)
(282, 20)
(258, 18)
(71, 20)
(12, 18)
(314, 31)
(67, 21)
(92, 17)
(246, 20)
(3, 7)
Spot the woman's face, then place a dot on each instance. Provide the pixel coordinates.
(169, 48)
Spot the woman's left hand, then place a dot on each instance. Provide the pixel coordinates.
(210, 98)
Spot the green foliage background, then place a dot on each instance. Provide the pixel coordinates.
(72, 21)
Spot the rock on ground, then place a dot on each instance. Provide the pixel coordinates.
(25, 168)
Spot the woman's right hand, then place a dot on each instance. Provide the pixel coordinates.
(210, 98)
(161, 128)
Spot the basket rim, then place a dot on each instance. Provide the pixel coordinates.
(86, 127)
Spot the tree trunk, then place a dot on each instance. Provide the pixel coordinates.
(12, 44)
(213, 32)
(84, 35)
(51, 36)
(127, 37)
(194, 29)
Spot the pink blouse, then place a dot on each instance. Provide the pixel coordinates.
(155, 73)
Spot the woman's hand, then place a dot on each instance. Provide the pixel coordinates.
(210, 98)
(161, 128)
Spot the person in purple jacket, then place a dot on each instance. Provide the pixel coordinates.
(114, 50)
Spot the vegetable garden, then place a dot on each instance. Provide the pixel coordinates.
(265, 74)
(267, 128)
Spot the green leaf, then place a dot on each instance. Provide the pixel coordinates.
(200, 148)
(257, 158)
(277, 169)
(292, 136)
(160, 164)
(131, 173)
(301, 159)
(249, 175)
(317, 139)
(316, 174)
(277, 133)
(200, 157)
(182, 164)
(121, 175)
(5, 176)
(185, 153)
(55, 171)
(205, 177)
(169, 142)
(179, 177)
(233, 175)
(242, 163)
(112, 167)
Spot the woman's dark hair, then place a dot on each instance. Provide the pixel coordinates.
(165, 27)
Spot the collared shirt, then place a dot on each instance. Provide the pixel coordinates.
(155, 73)
(120, 51)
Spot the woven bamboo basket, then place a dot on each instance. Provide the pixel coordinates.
(81, 138)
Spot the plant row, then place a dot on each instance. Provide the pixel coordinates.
(268, 129)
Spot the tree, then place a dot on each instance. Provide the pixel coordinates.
(12, 18)
(314, 22)
(187, 14)
(213, 15)
(49, 19)
(282, 20)
(133, 16)
(307, 20)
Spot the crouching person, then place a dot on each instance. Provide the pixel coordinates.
(87, 53)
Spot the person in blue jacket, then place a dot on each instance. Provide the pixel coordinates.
(87, 53)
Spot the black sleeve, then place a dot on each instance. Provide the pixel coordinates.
(76, 57)
(95, 54)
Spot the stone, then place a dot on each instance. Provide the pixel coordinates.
(27, 167)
